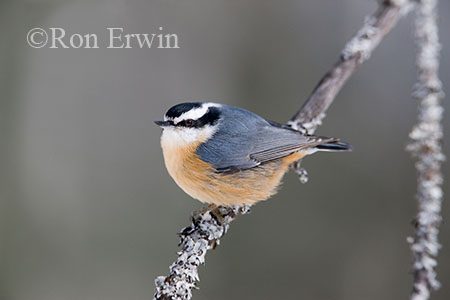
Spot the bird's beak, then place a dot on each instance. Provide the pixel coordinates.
(162, 123)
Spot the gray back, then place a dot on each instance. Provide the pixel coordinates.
(245, 140)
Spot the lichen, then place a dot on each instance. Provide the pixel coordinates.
(202, 235)
(425, 147)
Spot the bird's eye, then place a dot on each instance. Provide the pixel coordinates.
(189, 123)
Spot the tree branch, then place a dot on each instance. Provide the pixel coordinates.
(357, 51)
(426, 138)
(206, 229)
(202, 235)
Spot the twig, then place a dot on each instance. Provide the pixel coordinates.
(357, 51)
(205, 231)
(426, 138)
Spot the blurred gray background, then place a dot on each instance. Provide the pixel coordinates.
(88, 211)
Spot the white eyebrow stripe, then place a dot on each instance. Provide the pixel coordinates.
(195, 113)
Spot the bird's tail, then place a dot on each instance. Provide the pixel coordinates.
(334, 146)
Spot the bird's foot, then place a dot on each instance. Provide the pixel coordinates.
(214, 212)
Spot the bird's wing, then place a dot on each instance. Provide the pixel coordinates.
(254, 145)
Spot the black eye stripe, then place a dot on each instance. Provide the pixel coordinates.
(211, 117)
(186, 123)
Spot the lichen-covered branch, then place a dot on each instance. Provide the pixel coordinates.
(357, 51)
(207, 228)
(426, 138)
(202, 235)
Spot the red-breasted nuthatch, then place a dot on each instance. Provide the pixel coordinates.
(226, 155)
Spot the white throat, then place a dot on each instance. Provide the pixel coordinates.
(183, 137)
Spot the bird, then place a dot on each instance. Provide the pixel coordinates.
(225, 155)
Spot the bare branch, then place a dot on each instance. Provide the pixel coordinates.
(206, 230)
(426, 138)
(357, 51)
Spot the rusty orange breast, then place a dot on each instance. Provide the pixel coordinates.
(201, 181)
